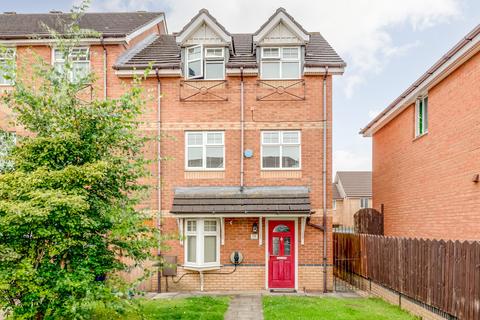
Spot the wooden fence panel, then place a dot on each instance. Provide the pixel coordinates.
(442, 274)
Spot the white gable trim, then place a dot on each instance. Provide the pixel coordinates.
(144, 28)
(438, 75)
(203, 18)
(281, 17)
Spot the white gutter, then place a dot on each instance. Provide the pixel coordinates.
(144, 28)
(152, 73)
(86, 41)
(315, 71)
(450, 65)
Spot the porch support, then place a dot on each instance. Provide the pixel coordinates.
(222, 231)
(260, 231)
(302, 230)
(180, 229)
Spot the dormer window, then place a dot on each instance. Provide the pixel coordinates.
(205, 63)
(280, 63)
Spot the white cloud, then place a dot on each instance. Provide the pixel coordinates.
(348, 160)
(359, 30)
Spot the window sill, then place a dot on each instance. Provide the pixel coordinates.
(281, 79)
(420, 136)
(216, 174)
(201, 268)
(281, 174)
(204, 170)
(281, 169)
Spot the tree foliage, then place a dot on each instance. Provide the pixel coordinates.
(69, 199)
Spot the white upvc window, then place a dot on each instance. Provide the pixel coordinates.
(79, 59)
(204, 150)
(334, 205)
(363, 203)
(7, 142)
(280, 63)
(202, 243)
(205, 63)
(7, 60)
(281, 150)
(421, 116)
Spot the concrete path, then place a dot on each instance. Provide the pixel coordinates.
(245, 307)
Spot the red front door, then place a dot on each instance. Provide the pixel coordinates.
(281, 254)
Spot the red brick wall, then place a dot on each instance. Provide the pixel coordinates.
(177, 117)
(426, 184)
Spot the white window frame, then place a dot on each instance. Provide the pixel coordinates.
(364, 203)
(281, 144)
(62, 60)
(200, 233)
(205, 59)
(204, 151)
(8, 54)
(421, 104)
(8, 139)
(334, 204)
(187, 62)
(280, 59)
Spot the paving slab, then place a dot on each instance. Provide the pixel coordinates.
(245, 307)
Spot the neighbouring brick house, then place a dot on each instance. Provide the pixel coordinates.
(246, 119)
(426, 150)
(352, 191)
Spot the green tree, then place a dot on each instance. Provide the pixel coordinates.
(69, 198)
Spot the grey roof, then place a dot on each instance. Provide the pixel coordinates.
(252, 200)
(335, 193)
(356, 183)
(443, 60)
(318, 52)
(118, 24)
(242, 52)
(160, 50)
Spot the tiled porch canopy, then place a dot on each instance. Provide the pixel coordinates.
(232, 201)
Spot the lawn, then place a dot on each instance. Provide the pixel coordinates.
(194, 308)
(286, 308)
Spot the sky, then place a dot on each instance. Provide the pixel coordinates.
(387, 45)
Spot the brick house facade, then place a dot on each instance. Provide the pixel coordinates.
(426, 151)
(241, 120)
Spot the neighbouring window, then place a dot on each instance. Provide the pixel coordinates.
(7, 60)
(205, 150)
(7, 141)
(281, 150)
(280, 63)
(334, 205)
(205, 63)
(421, 116)
(202, 242)
(364, 203)
(79, 60)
